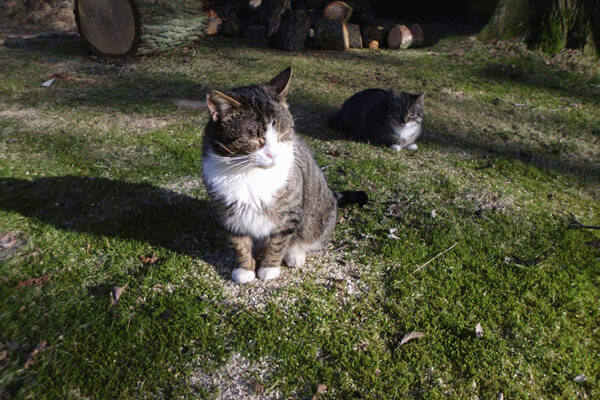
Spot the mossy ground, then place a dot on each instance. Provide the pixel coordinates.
(103, 167)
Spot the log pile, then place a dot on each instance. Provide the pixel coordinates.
(135, 27)
(294, 25)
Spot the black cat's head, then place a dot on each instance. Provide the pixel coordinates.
(252, 121)
(407, 107)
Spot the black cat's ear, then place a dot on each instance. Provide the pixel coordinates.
(220, 104)
(281, 83)
(420, 99)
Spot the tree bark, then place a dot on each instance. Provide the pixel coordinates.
(293, 31)
(331, 35)
(354, 36)
(135, 27)
(271, 13)
(548, 25)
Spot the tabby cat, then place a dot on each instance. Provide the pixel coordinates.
(382, 116)
(267, 189)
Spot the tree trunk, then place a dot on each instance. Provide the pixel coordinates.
(548, 25)
(331, 35)
(114, 28)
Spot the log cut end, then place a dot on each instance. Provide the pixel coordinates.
(108, 27)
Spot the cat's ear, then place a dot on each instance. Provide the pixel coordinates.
(220, 104)
(420, 99)
(281, 83)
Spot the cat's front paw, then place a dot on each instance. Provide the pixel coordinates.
(266, 273)
(412, 147)
(242, 275)
(295, 259)
(396, 147)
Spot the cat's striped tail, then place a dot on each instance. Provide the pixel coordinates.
(347, 197)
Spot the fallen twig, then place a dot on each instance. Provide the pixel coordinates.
(440, 254)
(576, 224)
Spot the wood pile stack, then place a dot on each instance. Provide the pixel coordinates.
(297, 24)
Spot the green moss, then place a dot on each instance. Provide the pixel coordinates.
(509, 20)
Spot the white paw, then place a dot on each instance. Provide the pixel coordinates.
(396, 147)
(242, 275)
(295, 259)
(266, 273)
(412, 147)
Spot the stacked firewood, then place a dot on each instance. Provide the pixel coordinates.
(297, 24)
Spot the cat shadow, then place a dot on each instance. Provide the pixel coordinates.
(119, 209)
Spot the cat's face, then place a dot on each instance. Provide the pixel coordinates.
(407, 109)
(253, 124)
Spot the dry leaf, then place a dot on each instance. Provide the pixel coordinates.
(322, 389)
(411, 336)
(34, 281)
(433, 214)
(478, 330)
(257, 387)
(117, 292)
(9, 240)
(31, 359)
(149, 260)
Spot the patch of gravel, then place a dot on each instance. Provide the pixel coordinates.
(331, 269)
(239, 379)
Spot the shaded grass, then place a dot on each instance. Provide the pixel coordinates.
(103, 167)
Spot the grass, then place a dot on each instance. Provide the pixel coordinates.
(102, 168)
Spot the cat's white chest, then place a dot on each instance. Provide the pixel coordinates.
(247, 192)
(408, 133)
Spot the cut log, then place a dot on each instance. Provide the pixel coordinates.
(315, 4)
(330, 34)
(337, 10)
(374, 32)
(255, 31)
(214, 23)
(231, 27)
(417, 34)
(354, 36)
(113, 28)
(373, 44)
(271, 13)
(399, 37)
(254, 5)
(293, 31)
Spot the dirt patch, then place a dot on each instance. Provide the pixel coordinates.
(38, 15)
